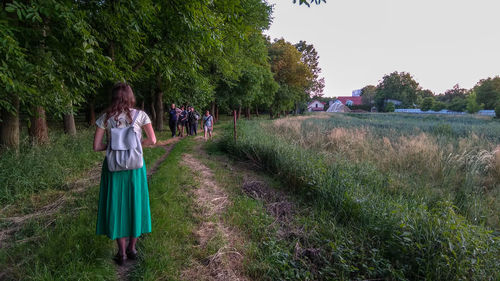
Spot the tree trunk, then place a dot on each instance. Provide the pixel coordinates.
(9, 129)
(234, 124)
(257, 110)
(69, 124)
(212, 111)
(69, 121)
(239, 112)
(270, 113)
(159, 103)
(216, 113)
(39, 131)
(159, 111)
(91, 113)
(296, 108)
(153, 112)
(248, 112)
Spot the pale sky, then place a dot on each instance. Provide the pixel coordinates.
(440, 42)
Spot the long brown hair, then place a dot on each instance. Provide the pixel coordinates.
(122, 99)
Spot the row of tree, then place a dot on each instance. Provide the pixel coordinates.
(402, 87)
(59, 59)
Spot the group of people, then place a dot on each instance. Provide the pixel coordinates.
(188, 118)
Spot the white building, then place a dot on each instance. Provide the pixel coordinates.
(315, 105)
(357, 93)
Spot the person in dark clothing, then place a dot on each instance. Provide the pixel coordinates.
(188, 127)
(193, 118)
(172, 122)
(182, 121)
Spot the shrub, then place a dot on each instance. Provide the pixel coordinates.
(497, 110)
(472, 105)
(427, 104)
(438, 106)
(390, 107)
(365, 107)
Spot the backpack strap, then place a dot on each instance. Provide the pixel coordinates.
(135, 117)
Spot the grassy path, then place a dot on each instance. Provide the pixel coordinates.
(210, 218)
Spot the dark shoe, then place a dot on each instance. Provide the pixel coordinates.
(131, 255)
(119, 259)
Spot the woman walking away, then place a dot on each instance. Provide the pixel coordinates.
(208, 124)
(172, 121)
(123, 196)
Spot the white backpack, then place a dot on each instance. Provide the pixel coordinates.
(124, 151)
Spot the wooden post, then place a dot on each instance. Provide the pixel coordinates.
(234, 122)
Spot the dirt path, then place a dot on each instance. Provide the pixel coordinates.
(211, 200)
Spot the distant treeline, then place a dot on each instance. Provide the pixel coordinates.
(403, 87)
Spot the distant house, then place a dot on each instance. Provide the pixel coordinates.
(316, 105)
(357, 93)
(350, 100)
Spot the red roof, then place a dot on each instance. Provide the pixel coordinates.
(355, 100)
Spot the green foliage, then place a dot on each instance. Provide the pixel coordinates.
(398, 86)
(368, 95)
(458, 104)
(427, 104)
(390, 107)
(438, 106)
(311, 1)
(472, 105)
(292, 74)
(488, 92)
(497, 110)
(311, 58)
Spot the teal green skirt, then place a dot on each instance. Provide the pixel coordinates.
(123, 203)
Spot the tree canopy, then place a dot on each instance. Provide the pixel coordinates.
(60, 57)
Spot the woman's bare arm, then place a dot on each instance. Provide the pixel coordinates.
(98, 137)
(150, 133)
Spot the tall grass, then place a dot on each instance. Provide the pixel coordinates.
(372, 230)
(420, 159)
(37, 168)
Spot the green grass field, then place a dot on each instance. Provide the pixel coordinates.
(390, 196)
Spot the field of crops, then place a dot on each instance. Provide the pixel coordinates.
(389, 196)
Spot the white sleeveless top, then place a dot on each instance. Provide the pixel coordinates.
(123, 121)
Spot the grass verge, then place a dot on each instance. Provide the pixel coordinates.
(170, 246)
(64, 246)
